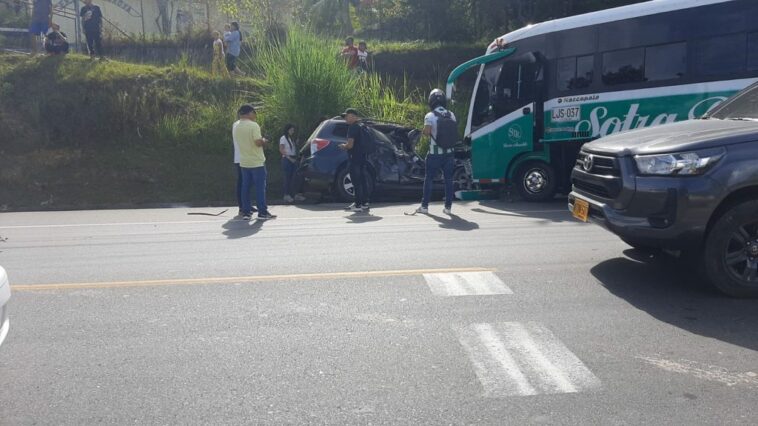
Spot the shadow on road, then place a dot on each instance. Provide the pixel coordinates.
(669, 293)
(362, 218)
(236, 228)
(454, 222)
(550, 212)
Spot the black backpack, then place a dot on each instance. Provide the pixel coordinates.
(447, 130)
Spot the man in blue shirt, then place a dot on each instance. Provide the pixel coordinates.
(42, 17)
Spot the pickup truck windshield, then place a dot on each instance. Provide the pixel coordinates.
(743, 106)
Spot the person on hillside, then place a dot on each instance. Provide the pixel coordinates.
(92, 24)
(247, 135)
(358, 162)
(227, 32)
(363, 57)
(234, 39)
(350, 53)
(438, 158)
(288, 150)
(42, 17)
(218, 68)
(56, 42)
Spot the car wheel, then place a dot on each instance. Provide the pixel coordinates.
(461, 180)
(344, 188)
(731, 251)
(535, 181)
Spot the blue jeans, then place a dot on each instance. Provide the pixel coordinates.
(288, 173)
(435, 163)
(254, 176)
(238, 169)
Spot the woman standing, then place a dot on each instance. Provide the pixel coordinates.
(218, 68)
(288, 149)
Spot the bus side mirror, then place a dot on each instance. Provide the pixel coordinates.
(526, 111)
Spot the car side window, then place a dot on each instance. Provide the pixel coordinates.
(340, 130)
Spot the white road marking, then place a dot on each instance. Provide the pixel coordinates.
(466, 284)
(515, 359)
(703, 371)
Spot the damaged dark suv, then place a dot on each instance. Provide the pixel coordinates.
(393, 164)
(689, 187)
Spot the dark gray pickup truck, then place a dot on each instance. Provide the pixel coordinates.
(690, 187)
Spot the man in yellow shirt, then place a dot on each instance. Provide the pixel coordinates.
(247, 135)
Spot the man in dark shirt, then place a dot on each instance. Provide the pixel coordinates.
(56, 42)
(42, 17)
(92, 23)
(357, 165)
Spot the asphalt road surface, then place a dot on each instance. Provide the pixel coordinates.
(506, 313)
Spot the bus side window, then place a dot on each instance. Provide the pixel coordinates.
(666, 62)
(575, 73)
(624, 66)
(721, 55)
(752, 51)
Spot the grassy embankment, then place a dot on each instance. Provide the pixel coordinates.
(82, 134)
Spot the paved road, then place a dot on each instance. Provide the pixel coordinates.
(508, 313)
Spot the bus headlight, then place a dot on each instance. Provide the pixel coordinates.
(678, 164)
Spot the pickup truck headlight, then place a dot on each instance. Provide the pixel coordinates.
(678, 164)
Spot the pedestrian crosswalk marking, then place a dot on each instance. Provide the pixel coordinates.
(466, 284)
(521, 359)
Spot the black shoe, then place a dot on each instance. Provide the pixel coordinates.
(266, 216)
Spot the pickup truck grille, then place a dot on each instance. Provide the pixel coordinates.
(597, 175)
(600, 165)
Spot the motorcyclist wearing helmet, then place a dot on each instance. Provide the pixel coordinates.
(438, 158)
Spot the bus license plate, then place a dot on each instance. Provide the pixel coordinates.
(581, 209)
(565, 114)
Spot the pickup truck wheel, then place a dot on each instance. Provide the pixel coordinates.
(731, 251)
(535, 181)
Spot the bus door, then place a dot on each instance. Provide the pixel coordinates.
(504, 117)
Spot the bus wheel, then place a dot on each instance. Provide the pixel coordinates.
(535, 181)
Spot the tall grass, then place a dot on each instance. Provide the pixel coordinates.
(305, 81)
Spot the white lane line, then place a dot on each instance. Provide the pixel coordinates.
(516, 334)
(515, 359)
(466, 284)
(494, 366)
(711, 373)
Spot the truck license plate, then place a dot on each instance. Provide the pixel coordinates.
(565, 114)
(581, 210)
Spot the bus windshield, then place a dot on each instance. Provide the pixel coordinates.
(504, 87)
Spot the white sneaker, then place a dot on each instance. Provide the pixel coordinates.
(288, 199)
(299, 197)
(422, 209)
(447, 211)
(355, 208)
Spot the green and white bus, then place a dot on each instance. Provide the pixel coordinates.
(544, 90)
